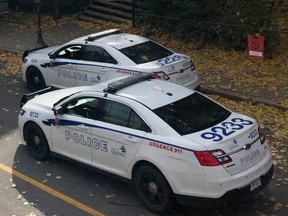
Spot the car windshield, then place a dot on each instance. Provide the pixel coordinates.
(192, 114)
(146, 52)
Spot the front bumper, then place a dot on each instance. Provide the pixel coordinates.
(230, 196)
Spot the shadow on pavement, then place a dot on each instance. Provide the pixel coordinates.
(98, 191)
(12, 89)
(104, 193)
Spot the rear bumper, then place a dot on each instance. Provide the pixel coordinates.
(230, 196)
(193, 84)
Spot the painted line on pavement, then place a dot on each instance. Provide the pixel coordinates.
(51, 191)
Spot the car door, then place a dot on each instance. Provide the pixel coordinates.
(97, 63)
(64, 67)
(117, 137)
(71, 133)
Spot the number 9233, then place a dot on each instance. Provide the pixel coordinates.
(226, 129)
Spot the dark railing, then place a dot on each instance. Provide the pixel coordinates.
(140, 13)
(49, 6)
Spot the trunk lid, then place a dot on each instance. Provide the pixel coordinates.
(238, 136)
(179, 68)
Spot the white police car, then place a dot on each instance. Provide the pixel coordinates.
(173, 142)
(103, 56)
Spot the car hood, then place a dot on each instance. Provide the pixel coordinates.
(43, 51)
(50, 98)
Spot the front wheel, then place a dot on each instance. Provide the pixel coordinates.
(35, 80)
(36, 142)
(154, 190)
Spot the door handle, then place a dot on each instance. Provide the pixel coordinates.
(83, 127)
(131, 139)
(70, 66)
(103, 69)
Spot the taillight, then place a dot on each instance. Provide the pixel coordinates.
(261, 135)
(160, 75)
(212, 158)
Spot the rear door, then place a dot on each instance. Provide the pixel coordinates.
(96, 63)
(116, 137)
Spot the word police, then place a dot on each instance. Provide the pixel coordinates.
(87, 141)
(72, 75)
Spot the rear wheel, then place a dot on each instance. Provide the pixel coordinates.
(153, 189)
(36, 142)
(35, 80)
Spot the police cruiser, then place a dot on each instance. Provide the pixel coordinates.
(174, 143)
(103, 56)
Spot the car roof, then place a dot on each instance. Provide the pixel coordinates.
(112, 37)
(153, 93)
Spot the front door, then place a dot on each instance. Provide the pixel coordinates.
(71, 131)
(64, 67)
(70, 137)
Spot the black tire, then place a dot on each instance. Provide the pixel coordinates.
(154, 190)
(36, 142)
(35, 80)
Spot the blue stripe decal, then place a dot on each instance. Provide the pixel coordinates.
(63, 63)
(76, 123)
(92, 65)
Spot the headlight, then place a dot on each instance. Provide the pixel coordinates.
(261, 135)
(22, 112)
(192, 65)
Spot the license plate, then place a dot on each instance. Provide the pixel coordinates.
(255, 184)
(183, 78)
(250, 157)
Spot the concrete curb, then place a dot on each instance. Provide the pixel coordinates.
(237, 96)
(17, 51)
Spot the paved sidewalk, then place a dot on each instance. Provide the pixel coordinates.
(17, 40)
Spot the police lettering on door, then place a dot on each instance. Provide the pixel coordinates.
(72, 75)
(87, 141)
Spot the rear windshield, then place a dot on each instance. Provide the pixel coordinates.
(192, 114)
(146, 52)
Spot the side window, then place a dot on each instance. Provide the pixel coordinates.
(70, 52)
(97, 54)
(84, 107)
(122, 115)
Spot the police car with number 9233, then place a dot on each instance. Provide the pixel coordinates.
(174, 143)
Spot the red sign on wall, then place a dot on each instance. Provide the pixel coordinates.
(255, 47)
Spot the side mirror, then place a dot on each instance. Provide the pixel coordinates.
(58, 110)
(51, 55)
